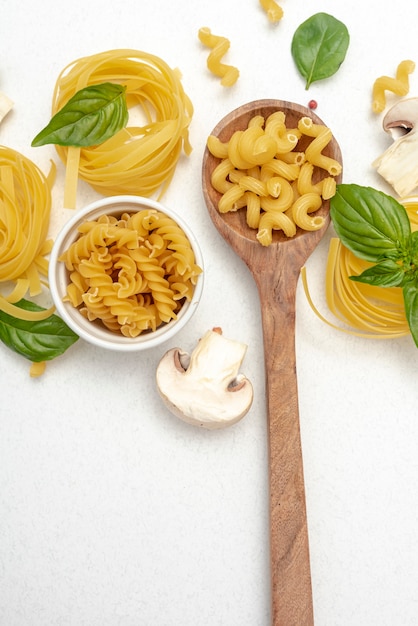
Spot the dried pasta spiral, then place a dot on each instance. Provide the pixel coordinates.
(25, 206)
(398, 85)
(219, 46)
(139, 159)
(131, 273)
(273, 10)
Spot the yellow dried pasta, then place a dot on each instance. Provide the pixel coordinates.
(368, 311)
(219, 45)
(273, 9)
(322, 136)
(131, 273)
(140, 159)
(399, 85)
(261, 170)
(25, 207)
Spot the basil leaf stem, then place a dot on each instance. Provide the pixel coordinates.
(90, 117)
(37, 341)
(319, 47)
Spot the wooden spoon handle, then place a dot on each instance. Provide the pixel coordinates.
(289, 547)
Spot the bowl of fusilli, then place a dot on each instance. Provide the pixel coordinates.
(126, 273)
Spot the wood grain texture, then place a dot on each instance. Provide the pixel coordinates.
(276, 271)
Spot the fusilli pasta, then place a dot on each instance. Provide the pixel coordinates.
(131, 273)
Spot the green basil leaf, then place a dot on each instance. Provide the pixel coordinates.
(387, 273)
(91, 116)
(37, 341)
(319, 47)
(414, 247)
(410, 296)
(370, 223)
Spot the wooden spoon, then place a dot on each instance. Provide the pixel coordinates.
(276, 270)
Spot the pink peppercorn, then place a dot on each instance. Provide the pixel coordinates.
(312, 104)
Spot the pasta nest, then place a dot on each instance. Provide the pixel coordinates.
(139, 159)
(25, 207)
(368, 311)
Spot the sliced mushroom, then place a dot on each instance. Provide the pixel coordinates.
(398, 165)
(204, 388)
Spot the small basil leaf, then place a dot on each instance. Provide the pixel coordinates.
(410, 295)
(370, 223)
(91, 116)
(388, 273)
(37, 341)
(319, 47)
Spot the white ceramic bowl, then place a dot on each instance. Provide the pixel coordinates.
(94, 332)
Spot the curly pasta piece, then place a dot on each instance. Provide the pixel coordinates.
(274, 11)
(282, 201)
(286, 139)
(399, 85)
(322, 136)
(278, 167)
(159, 286)
(220, 175)
(305, 204)
(271, 220)
(217, 147)
(219, 47)
(255, 146)
(229, 199)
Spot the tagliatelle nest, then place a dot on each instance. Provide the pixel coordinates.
(139, 159)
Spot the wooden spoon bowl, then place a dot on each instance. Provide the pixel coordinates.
(276, 269)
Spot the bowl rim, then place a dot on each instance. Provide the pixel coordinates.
(87, 330)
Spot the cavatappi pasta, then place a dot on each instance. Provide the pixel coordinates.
(25, 206)
(273, 10)
(140, 159)
(363, 310)
(131, 273)
(399, 85)
(219, 45)
(262, 170)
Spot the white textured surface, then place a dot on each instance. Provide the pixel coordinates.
(112, 512)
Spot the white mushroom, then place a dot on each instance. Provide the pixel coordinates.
(398, 165)
(6, 105)
(204, 388)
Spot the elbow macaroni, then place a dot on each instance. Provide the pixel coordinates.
(277, 188)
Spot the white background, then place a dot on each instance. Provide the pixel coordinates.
(112, 511)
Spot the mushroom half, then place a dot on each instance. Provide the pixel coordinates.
(205, 388)
(398, 165)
